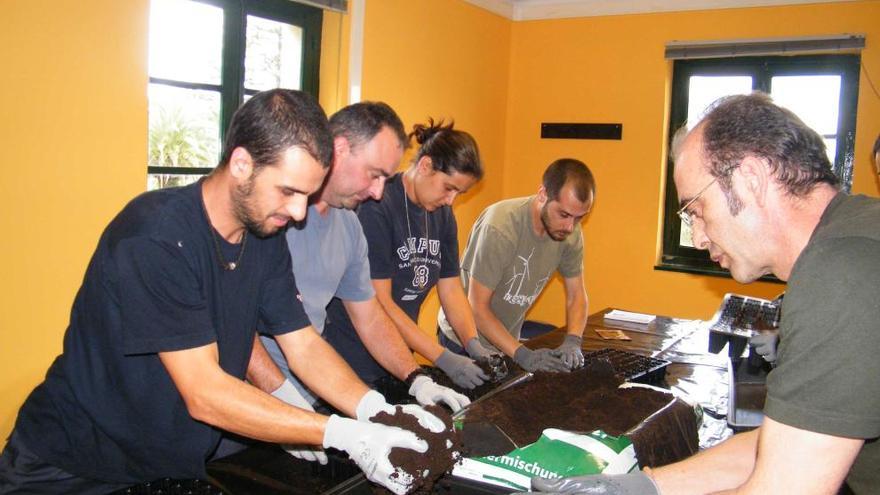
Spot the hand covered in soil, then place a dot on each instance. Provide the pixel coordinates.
(429, 393)
(538, 360)
(570, 351)
(290, 395)
(369, 445)
(608, 484)
(373, 402)
(460, 369)
(477, 350)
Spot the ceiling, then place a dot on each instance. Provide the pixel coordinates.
(526, 10)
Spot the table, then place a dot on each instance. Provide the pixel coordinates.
(266, 470)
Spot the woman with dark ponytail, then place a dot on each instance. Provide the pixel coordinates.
(413, 246)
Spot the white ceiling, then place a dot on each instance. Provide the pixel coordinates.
(525, 10)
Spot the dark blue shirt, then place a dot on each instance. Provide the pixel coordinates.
(108, 409)
(414, 251)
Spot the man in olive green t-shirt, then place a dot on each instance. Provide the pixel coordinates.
(515, 247)
(758, 191)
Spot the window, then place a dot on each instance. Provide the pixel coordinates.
(821, 89)
(206, 58)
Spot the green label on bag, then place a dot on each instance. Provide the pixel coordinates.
(556, 454)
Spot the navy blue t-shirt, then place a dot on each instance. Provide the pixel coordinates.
(413, 252)
(108, 409)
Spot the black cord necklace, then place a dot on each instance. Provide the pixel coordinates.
(226, 265)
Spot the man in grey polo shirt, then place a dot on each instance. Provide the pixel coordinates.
(329, 254)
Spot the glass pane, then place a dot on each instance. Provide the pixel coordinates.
(186, 41)
(684, 236)
(184, 127)
(831, 149)
(815, 99)
(161, 181)
(704, 90)
(273, 56)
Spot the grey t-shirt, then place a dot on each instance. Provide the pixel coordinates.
(827, 378)
(329, 255)
(504, 253)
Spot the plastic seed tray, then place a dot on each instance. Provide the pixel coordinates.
(630, 366)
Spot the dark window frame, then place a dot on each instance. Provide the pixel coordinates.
(685, 259)
(231, 87)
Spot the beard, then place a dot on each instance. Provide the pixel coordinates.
(556, 235)
(243, 205)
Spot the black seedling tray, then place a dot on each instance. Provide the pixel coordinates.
(630, 366)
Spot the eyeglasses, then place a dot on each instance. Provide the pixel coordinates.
(683, 213)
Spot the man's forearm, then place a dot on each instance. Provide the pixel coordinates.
(321, 369)
(576, 316)
(494, 331)
(381, 337)
(723, 467)
(262, 371)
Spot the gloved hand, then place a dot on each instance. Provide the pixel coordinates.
(569, 351)
(538, 360)
(288, 393)
(373, 402)
(428, 393)
(369, 444)
(607, 484)
(462, 370)
(477, 350)
(764, 344)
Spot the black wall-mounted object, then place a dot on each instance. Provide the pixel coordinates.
(581, 131)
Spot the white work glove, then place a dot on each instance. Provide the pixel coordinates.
(373, 402)
(607, 484)
(538, 360)
(460, 369)
(765, 344)
(288, 393)
(369, 445)
(570, 351)
(428, 393)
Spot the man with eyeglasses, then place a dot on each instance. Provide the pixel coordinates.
(515, 246)
(757, 189)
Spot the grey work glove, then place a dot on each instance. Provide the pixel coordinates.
(463, 371)
(494, 359)
(765, 344)
(477, 350)
(369, 445)
(288, 393)
(570, 351)
(373, 403)
(538, 360)
(428, 393)
(608, 484)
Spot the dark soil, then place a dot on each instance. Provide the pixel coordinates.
(589, 399)
(444, 448)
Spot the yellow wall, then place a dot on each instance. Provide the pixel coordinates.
(443, 59)
(611, 69)
(74, 127)
(74, 140)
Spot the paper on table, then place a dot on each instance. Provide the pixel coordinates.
(618, 315)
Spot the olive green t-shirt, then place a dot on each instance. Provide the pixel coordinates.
(827, 378)
(504, 253)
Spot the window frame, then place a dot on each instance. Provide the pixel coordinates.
(676, 257)
(231, 87)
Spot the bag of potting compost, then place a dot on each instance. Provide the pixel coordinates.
(556, 454)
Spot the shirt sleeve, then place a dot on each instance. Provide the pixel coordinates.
(572, 262)
(355, 284)
(378, 232)
(162, 305)
(281, 306)
(491, 255)
(449, 247)
(826, 375)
